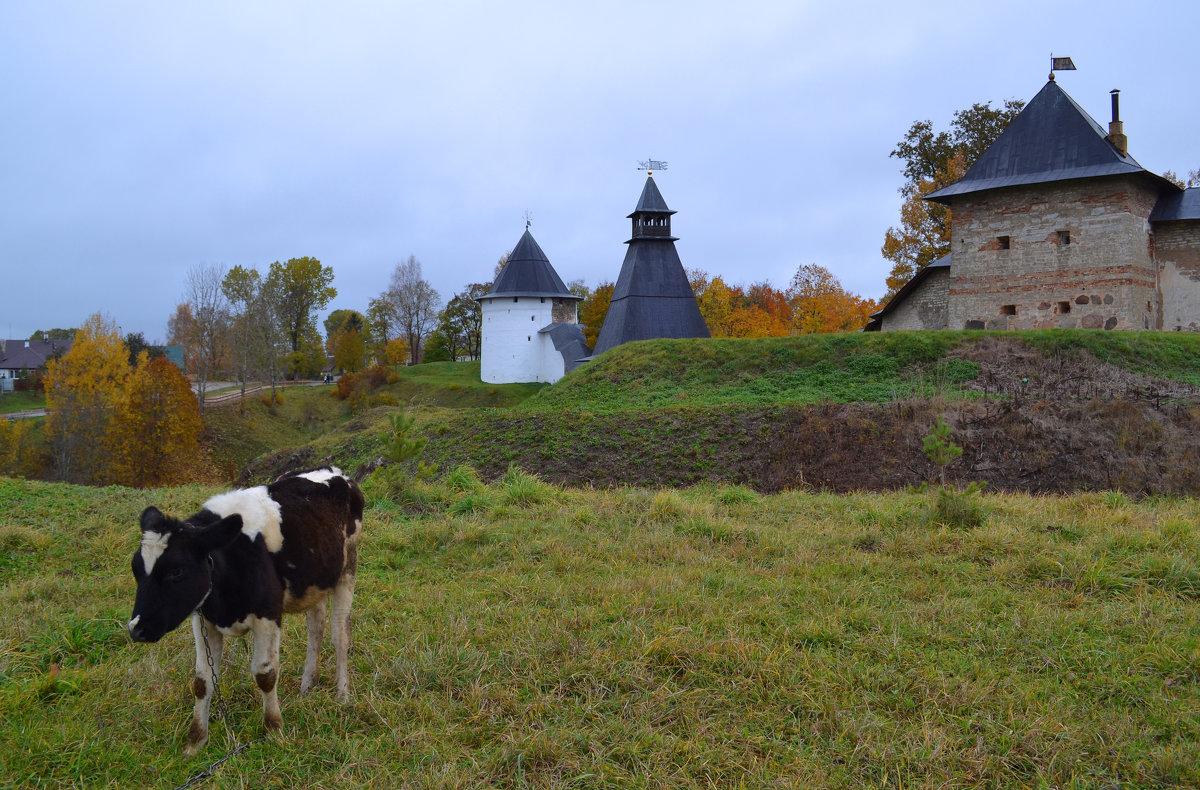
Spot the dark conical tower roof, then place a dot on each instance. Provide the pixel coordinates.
(1052, 139)
(651, 200)
(652, 297)
(528, 273)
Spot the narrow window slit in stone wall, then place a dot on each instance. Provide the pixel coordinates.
(1008, 309)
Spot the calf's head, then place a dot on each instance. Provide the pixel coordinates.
(173, 570)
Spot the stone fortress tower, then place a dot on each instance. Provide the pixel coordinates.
(652, 297)
(530, 328)
(1057, 226)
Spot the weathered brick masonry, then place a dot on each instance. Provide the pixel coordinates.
(1177, 250)
(925, 307)
(1072, 254)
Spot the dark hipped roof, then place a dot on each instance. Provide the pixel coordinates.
(528, 273)
(652, 297)
(876, 322)
(652, 268)
(648, 317)
(651, 200)
(569, 341)
(1180, 205)
(1052, 139)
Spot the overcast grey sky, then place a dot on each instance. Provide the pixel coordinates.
(141, 138)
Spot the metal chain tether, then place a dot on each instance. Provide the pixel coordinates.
(222, 713)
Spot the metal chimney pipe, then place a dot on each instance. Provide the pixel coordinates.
(1116, 129)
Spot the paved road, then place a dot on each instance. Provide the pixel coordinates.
(228, 392)
(23, 415)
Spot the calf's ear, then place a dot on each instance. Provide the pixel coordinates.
(152, 520)
(220, 534)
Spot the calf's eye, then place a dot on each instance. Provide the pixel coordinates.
(175, 574)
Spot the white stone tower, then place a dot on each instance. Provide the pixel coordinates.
(530, 326)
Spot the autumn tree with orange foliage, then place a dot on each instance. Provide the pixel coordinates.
(109, 423)
(732, 311)
(84, 388)
(820, 304)
(592, 311)
(154, 437)
(716, 301)
(932, 161)
(772, 309)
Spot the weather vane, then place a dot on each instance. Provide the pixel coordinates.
(528, 215)
(1060, 64)
(650, 165)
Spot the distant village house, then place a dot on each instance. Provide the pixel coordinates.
(20, 360)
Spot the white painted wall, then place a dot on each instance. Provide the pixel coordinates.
(553, 367)
(511, 350)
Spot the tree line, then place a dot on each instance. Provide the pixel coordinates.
(121, 413)
(263, 326)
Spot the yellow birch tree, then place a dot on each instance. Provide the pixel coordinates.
(83, 393)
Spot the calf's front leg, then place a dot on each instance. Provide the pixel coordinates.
(204, 681)
(265, 668)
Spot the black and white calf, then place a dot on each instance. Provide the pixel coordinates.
(236, 566)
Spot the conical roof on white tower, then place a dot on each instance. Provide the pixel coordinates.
(530, 328)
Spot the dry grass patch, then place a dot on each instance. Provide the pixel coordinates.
(521, 635)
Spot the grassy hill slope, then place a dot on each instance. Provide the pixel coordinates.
(310, 425)
(847, 368)
(1039, 411)
(518, 635)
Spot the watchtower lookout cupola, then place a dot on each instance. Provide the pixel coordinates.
(651, 218)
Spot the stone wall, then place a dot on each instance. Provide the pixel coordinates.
(1076, 254)
(924, 307)
(565, 311)
(1177, 250)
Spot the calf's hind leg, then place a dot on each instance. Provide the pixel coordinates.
(343, 597)
(315, 618)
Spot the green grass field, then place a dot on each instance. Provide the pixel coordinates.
(518, 635)
(21, 401)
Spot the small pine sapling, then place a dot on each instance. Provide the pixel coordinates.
(939, 448)
(401, 447)
(951, 507)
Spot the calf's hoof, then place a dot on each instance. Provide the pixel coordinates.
(197, 737)
(192, 749)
